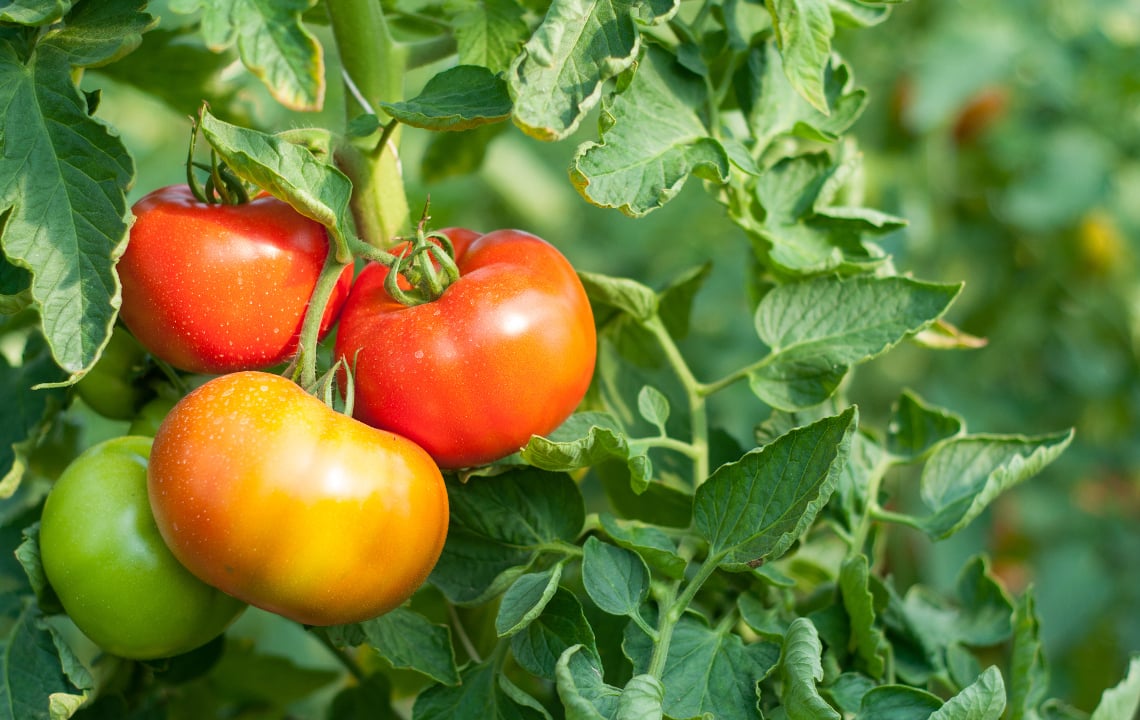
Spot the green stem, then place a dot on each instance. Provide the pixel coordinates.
(698, 413)
(376, 64)
(461, 633)
(672, 615)
(434, 49)
(879, 513)
(667, 443)
(859, 538)
(311, 326)
(344, 658)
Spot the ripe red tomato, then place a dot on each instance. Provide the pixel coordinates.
(261, 490)
(506, 352)
(221, 288)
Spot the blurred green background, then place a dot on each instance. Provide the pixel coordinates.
(1008, 133)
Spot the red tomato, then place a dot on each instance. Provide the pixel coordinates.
(264, 492)
(506, 352)
(221, 288)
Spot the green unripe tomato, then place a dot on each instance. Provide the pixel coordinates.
(110, 388)
(103, 555)
(151, 415)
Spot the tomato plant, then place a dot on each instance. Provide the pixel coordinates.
(112, 387)
(214, 288)
(108, 564)
(264, 492)
(504, 353)
(699, 461)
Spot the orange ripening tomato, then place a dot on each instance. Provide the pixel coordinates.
(263, 491)
(221, 288)
(506, 352)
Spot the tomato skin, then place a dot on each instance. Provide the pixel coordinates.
(104, 557)
(109, 387)
(505, 353)
(263, 491)
(221, 288)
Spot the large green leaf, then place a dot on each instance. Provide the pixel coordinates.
(560, 626)
(490, 33)
(272, 42)
(984, 700)
(98, 32)
(485, 693)
(559, 75)
(460, 98)
(34, 12)
(583, 692)
(652, 139)
(801, 669)
(63, 182)
(407, 639)
(40, 678)
(804, 29)
(1121, 701)
(754, 509)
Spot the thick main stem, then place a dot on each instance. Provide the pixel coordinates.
(375, 64)
(698, 413)
(314, 314)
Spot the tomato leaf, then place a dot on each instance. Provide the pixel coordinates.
(768, 623)
(897, 702)
(849, 502)
(524, 601)
(39, 674)
(708, 670)
(290, 172)
(584, 440)
(485, 693)
(774, 108)
(370, 699)
(658, 503)
(804, 29)
(653, 406)
(616, 579)
(642, 697)
(459, 98)
(583, 692)
(490, 33)
(629, 296)
(654, 546)
(29, 411)
(28, 553)
(800, 669)
(34, 12)
(653, 139)
(866, 639)
(755, 508)
(916, 428)
(984, 700)
(272, 42)
(558, 76)
(1123, 699)
(63, 182)
(818, 328)
(561, 625)
(497, 526)
(965, 475)
(98, 32)
(860, 13)
(408, 640)
(1028, 674)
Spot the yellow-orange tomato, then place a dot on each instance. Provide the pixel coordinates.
(261, 490)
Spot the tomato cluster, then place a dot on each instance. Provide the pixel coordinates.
(253, 490)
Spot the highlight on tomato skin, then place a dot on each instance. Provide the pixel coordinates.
(104, 557)
(506, 352)
(263, 491)
(215, 288)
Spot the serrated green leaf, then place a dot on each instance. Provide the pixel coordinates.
(897, 702)
(583, 692)
(272, 42)
(980, 614)
(801, 669)
(804, 29)
(459, 98)
(38, 671)
(287, 171)
(631, 297)
(984, 700)
(34, 12)
(560, 626)
(754, 509)
(642, 698)
(1028, 673)
(1122, 701)
(766, 622)
(490, 33)
(558, 76)
(497, 525)
(585, 440)
(866, 639)
(616, 579)
(524, 600)
(481, 695)
(408, 640)
(774, 108)
(965, 475)
(98, 32)
(370, 699)
(707, 670)
(648, 541)
(847, 691)
(652, 141)
(63, 179)
(28, 410)
(818, 328)
(915, 427)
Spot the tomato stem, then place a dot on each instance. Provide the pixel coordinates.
(342, 657)
(314, 314)
(698, 412)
